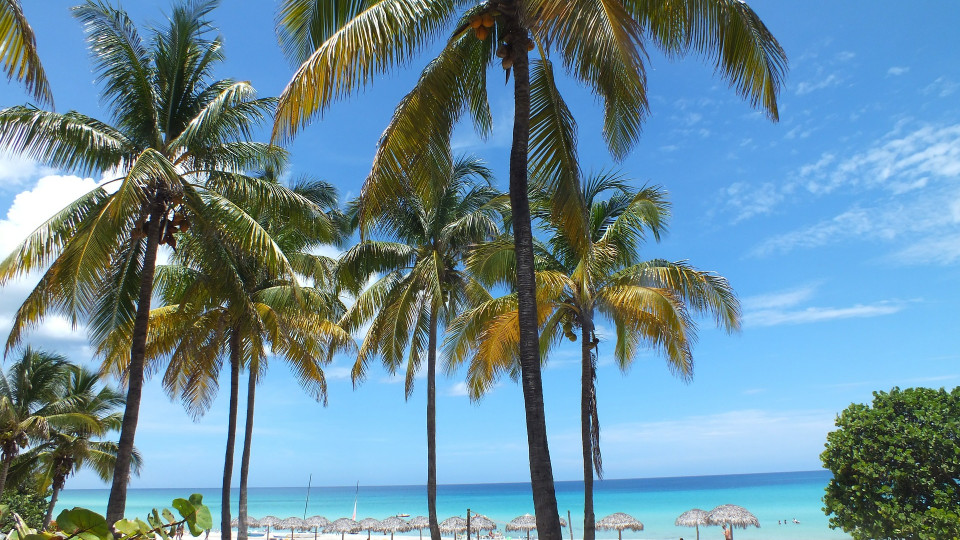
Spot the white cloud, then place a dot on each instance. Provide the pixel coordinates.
(784, 307)
(896, 71)
(16, 170)
(31, 208)
(747, 200)
(458, 389)
(941, 87)
(806, 87)
(936, 250)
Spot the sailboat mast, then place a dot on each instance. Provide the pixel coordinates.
(307, 503)
(355, 497)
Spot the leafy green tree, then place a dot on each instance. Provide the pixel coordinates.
(32, 403)
(422, 285)
(650, 303)
(18, 51)
(895, 466)
(343, 46)
(177, 150)
(26, 503)
(72, 446)
(223, 307)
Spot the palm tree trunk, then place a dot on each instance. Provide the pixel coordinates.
(53, 503)
(245, 457)
(231, 433)
(541, 471)
(432, 428)
(586, 418)
(4, 470)
(116, 504)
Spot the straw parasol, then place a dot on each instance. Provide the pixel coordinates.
(692, 518)
(268, 521)
(292, 523)
(369, 524)
(420, 523)
(317, 522)
(527, 523)
(732, 515)
(342, 526)
(455, 524)
(480, 522)
(619, 522)
(392, 525)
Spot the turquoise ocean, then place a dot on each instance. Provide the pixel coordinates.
(656, 502)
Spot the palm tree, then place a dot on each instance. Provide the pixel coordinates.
(422, 285)
(18, 51)
(178, 144)
(70, 448)
(648, 302)
(31, 401)
(221, 305)
(343, 46)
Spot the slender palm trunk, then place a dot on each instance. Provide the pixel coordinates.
(586, 423)
(5, 469)
(245, 457)
(231, 434)
(53, 503)
(116, 504)
(432, 428)
(541, 471)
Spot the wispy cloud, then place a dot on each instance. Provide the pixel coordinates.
(787, 308)
(941, 87)
(896, 71)
(805, 87)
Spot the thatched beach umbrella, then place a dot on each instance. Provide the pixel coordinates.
(455, 524)
(292, 523)
(392, 525)
(480, 522)
(419, 523)
(692, 518)
(525, 522)
(732, 515)
(268, 521)
(342, 526)
(317, 522)
(619, 522)
(369, 524)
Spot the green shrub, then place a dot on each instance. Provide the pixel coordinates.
(31, 506)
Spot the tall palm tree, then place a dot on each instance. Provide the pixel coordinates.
(177, 147)
(422, 285)
(343, 46)
(72, 447)
(32, 401)
(18, 51)
(221, 306)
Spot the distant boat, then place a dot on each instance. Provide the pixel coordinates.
(403, 515)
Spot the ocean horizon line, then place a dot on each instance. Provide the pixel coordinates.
(456, 484)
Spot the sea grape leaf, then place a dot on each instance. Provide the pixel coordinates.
(186, 509)
(84, 524)
(168, 515)
(126, 527)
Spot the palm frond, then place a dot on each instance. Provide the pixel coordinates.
(18, 52)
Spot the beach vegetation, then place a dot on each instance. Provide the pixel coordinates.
(221, 307)
(173, 155)
(420, 284)
(583, 281)
(895, 464)
(342, 47)
(25, 501)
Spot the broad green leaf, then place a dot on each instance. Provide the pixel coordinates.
(84, 524)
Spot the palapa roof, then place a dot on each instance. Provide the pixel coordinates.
(268, 521)
(342, 525)
(419, 522)
(253, 523)
(453, 524)
(235, 522)
(525, 522)
(370, 524)
(394, 524)
(293, 523)
(481, 522)
(692, 518)
(736, 516)
(620, 522)
(318, 521)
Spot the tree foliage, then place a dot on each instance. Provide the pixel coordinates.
(895, 466)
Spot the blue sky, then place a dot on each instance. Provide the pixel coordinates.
(839, 227)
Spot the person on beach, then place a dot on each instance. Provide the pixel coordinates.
(727, 532)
